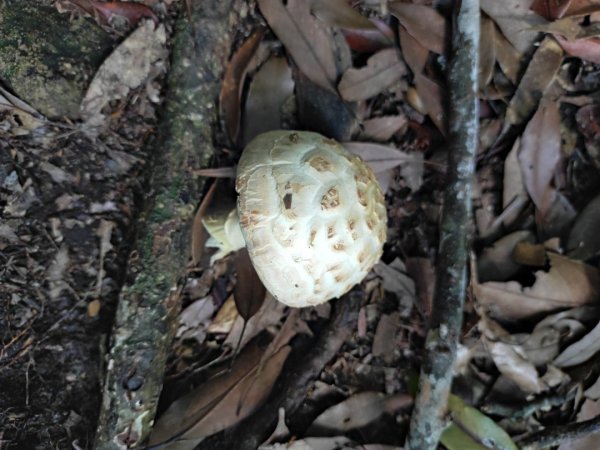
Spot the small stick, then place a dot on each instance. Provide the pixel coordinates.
(429, 415)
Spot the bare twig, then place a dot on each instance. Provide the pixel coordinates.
(553, 436)
(428, 419)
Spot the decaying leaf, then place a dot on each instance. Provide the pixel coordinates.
(584, 240)
(510, 358)
(587, 49)
(384, 340)
(513, 186)
(139, 53)
(383, 70)
(539, 155)
(487, 52)
(249, 292)
(515, 20)
(423, 23)
(359, 410)
(271, 86)
(340, 14)
(383, 128)
(304, 37)
(194, 320)
(233, 82)
(567, 284)
(538, 76)
(581, 350)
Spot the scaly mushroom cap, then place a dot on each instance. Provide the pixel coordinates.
(312, 214)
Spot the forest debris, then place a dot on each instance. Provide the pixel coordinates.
(271, 87)
(510, 359)
(589, 410)
(568, 283)
(580, 351)
(382, 71)
(539, 155)
(249, 292)
(538, 76)
(358, 411)
(140, 52)
(515, 20)
(513, 185)
(233, 83)
(384, 340)
(340, 14)
(584, 240)
(383, 128)
(194, 320)
(423, 23)
(305, 38)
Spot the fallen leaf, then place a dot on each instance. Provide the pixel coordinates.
(225, 318)
(249, 292)
(195, 318)
(139, 53)
(369, 40)
(324, 111)
(233, 83)
(539, 155)
(580, 351)
(508, 58)
(381, 158)
(515, 20)
(513, 186)
(423, 23)
(383, 70)
(384, 340)
(383, 128)
(538, 76)
(470, 429)
(313, 443)
(198, 231)
(422, 271)
(359, 410)
(132, 11)
(529, 254)
(304, 37)
(510, 358)
(487, 52)
(413, 52)
(271, 86)
(550, 9)
(584, 240)
(568, 283)
(339, 13)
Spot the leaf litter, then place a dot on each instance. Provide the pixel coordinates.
(333, 67)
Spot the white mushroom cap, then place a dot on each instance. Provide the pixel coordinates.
(312, 214)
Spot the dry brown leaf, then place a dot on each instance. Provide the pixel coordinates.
(360, 410)
(584, 240)
(423, 23)
(189, 409)
(383, 128)
(383, 70)
(233, 82)
(384, 340)
(309, 43)
(271, 86)
(339, 13)
(510, 359)
(567, 284)
(422, 271)
(139, 53)
(529, 254)
(538, 76)
(249, 292)
(194, 319)
(513, 186)
(581, 350)
(515, 20)
(487, 52)
(369, 41)
(382, 158)
(539, 155)
(413, 52)
(509, 59)
(225, 318)
(199, 235)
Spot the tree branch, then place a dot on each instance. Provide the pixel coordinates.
(428, 418)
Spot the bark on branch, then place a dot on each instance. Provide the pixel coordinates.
(428, 418)
(149, 303)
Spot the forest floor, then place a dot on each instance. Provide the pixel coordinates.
(81, 115)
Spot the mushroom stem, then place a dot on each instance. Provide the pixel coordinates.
(225, 234)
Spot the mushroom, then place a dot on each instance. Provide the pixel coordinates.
(311, 214)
